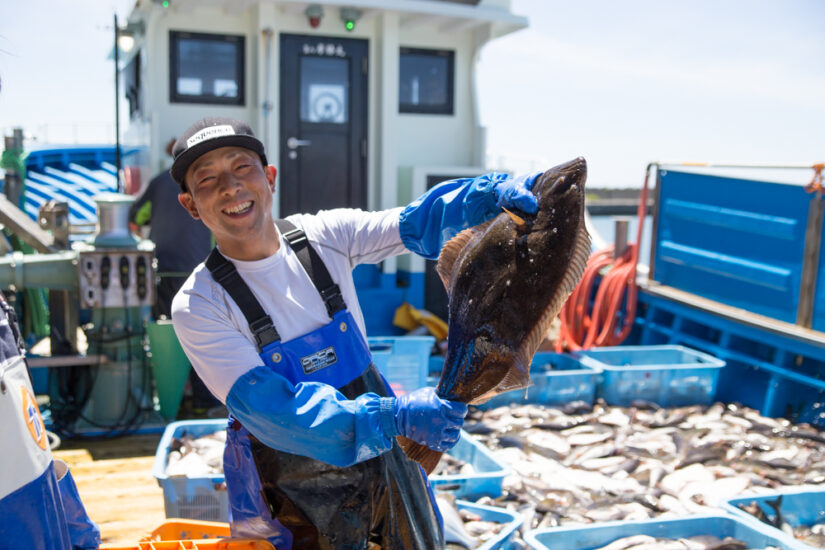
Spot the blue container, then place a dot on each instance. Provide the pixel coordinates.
(504, 538)
(596, 535)
(488, 476)
(196, 497)
(798, 507)
(670, 376)
(205, 497)
(555, 379)
(403, 360)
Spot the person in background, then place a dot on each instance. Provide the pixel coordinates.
(181, 242)
(40, 507)
(272, 324)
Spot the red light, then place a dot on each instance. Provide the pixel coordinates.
(314, 22)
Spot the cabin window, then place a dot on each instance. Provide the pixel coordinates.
(426, 81)
(324, 86)
(206, 68)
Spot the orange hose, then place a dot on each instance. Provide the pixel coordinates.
(583, 327)
(815, 186)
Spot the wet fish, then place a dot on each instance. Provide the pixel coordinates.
(698, 542)
(506, 280)
(649, 468)
(190, 456)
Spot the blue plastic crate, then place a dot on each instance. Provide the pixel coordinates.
(504, 538)
(798, 507)
(670, 376)
(555, 379)
(205, 497)
(596, 535)
(488, 476)
(403, 360)
(191, 497)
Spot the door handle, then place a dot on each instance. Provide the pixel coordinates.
(293, 143)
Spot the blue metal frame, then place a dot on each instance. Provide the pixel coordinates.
(777, 374)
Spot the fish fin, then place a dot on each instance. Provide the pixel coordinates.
(514, 379)
(426, 457)
(452, 250)
(515, 217)
(572, 276)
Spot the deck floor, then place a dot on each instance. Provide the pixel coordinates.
(115, 481)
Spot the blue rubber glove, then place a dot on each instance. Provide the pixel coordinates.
(429, 420)
(435, 217)
(516, 193)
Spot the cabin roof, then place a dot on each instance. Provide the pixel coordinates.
(447, 15)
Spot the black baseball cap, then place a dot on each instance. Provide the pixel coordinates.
(209, 134)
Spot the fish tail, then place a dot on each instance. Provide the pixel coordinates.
(426, 457)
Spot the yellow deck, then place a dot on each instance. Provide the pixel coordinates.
(115, 481)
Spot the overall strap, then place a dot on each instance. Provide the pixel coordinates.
(224, 272)
(314, 266)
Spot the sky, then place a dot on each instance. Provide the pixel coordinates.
(622, 83)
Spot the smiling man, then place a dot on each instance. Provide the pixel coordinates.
(272, 324)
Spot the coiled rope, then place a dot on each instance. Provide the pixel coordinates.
(583, 327)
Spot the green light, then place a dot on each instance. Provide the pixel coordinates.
(165, 3)
(349, 25)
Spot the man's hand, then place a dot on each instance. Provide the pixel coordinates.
(515, 193)
(429, 420)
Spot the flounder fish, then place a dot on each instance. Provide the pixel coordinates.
(506, 281)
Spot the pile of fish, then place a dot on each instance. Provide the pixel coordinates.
(581, 464)
(196, 456)
(814, 534)
(698, 542)
(463, 528)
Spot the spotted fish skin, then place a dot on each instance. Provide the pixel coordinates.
(506, 281)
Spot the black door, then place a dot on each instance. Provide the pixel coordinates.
(323, 123)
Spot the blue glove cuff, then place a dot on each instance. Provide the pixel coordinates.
(386, 413)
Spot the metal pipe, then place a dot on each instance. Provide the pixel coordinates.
(810, 262)
(117, 109)
(622, 227)
(58, 270)
(267, 105)
(113, 221)
(735, 165)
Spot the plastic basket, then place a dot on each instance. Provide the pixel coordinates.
(590, 536)
(555, 379)
(217, 544)
(191, 497)
(205, 497)
(489, 472)
(188, 529)
(798, 507)
(504, 538)
(670, 376)
(403, 360)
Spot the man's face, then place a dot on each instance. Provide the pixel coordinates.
(231, 191)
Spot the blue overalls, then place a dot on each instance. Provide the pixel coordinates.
(301, 503)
